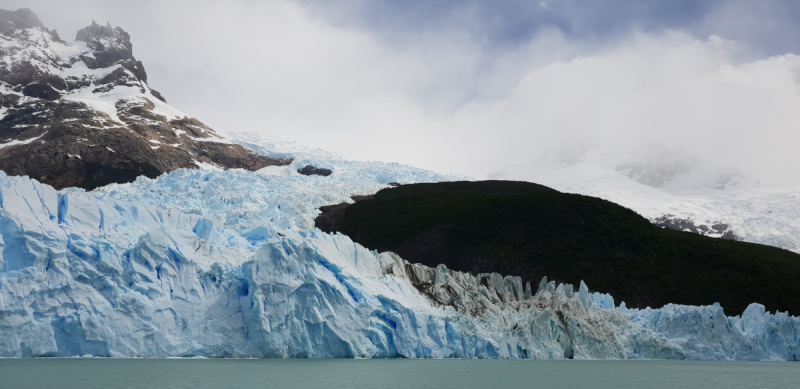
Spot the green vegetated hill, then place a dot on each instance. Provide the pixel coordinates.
(519, 228)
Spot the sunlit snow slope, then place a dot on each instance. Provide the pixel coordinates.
(227, 264)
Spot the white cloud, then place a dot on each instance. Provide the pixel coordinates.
(451, 102)
(665, 91)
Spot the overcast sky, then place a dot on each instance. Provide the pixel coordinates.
(475, 86)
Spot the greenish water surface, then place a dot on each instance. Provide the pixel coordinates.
(342, 373)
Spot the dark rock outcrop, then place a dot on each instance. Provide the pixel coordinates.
(41, 91)
(68, 145)
(309, 170)
(157, 95)
(330, 217)
(678, 224)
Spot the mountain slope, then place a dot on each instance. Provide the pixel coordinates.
(82, 113)
(528, 230)
(683, 191)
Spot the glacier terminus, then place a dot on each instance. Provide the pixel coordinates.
(190, 264)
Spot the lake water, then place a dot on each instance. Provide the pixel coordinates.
(343, 373)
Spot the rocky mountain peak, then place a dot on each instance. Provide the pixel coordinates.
(20, 19)
(82, 113)
(109, 44)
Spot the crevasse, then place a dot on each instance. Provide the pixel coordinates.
(186, 273)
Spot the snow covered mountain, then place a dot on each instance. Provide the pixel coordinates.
(83, 114)
(675, 191)
(228, 264)
(206, 262)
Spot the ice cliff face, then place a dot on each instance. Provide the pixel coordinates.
(190, 264)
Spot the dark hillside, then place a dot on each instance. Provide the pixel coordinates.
(530, 230)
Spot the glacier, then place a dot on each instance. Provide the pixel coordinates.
(227, 264)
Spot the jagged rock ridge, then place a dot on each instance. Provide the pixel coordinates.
(715, 230)
(82, 113)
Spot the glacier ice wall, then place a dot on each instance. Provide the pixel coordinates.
(160, 268)
(278, 197)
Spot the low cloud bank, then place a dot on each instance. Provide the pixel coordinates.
(452, 101)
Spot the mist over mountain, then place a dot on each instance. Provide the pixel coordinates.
(477, 87)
